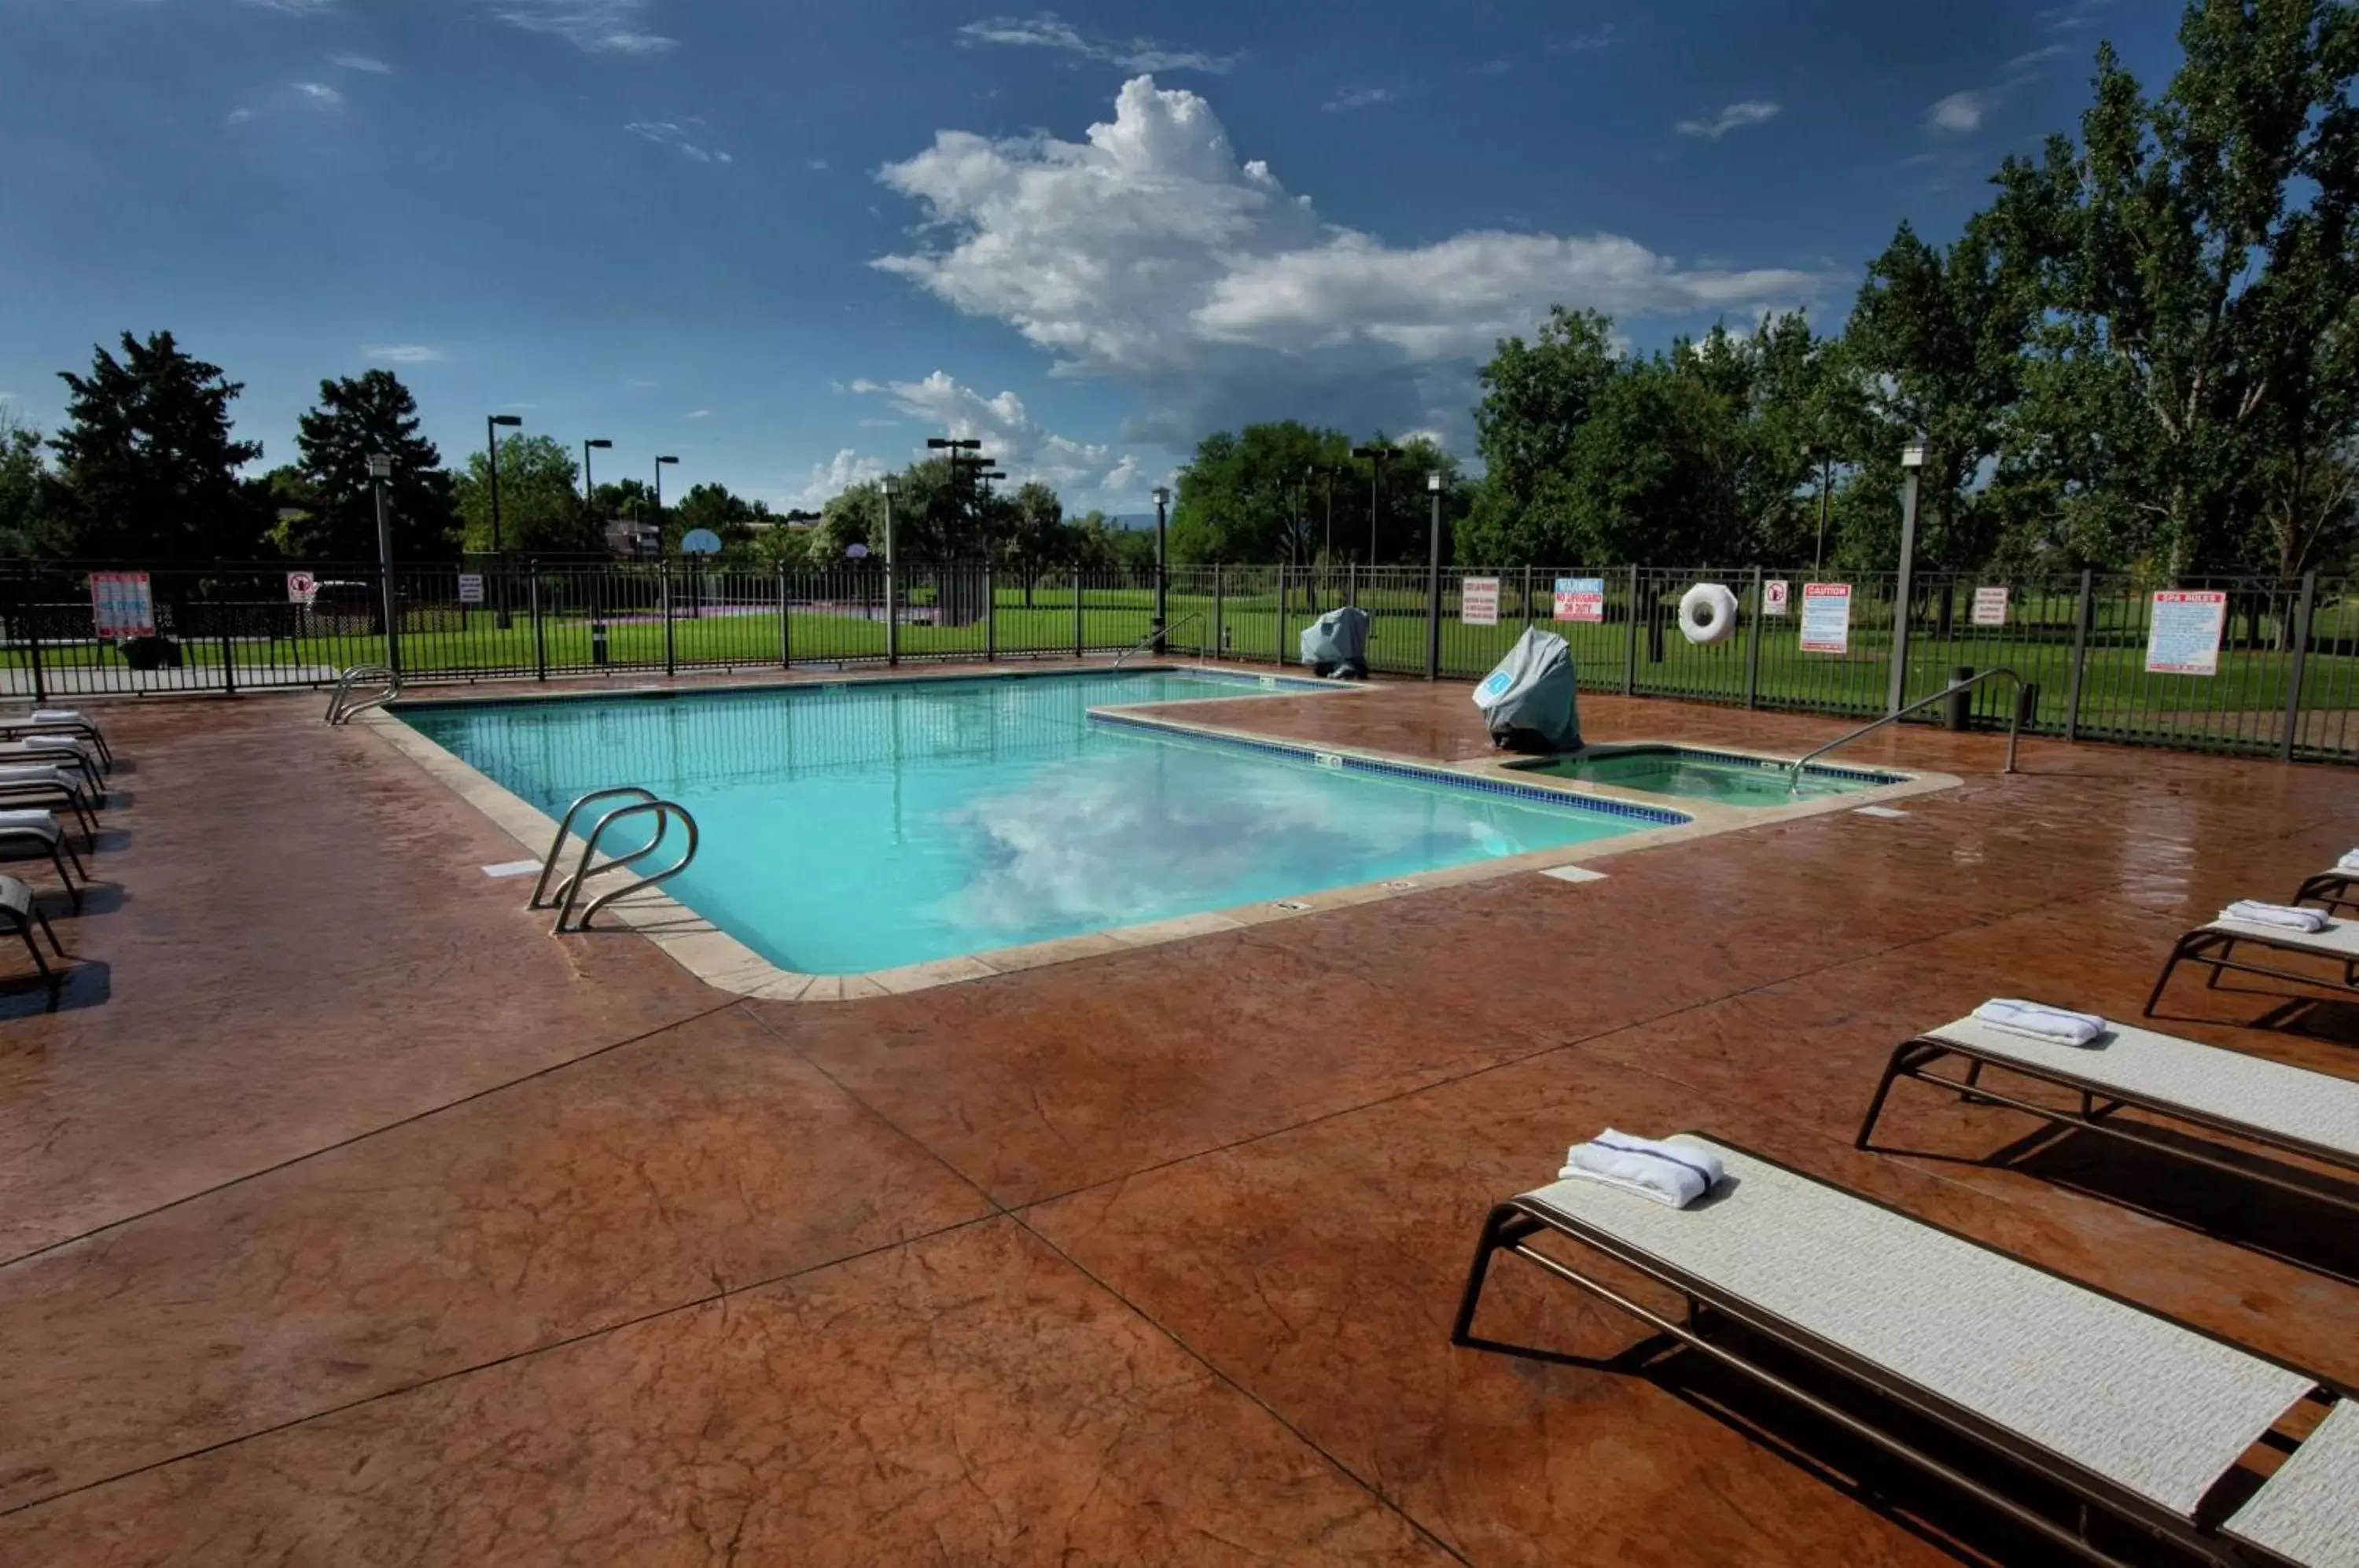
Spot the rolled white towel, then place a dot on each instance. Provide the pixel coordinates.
(42, 822)
(1672, 1173)
(2040, 1021)
(2252, 911)
(38, 773)
(2350, 862)
(59, 716)
(74, 744)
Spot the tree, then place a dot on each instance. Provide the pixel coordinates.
(357, 418)
(148, 463)
(1037, 537)
(1536, 398)
(541, 514)
(25, 483)
(1258, 494)
(854, 516)
(2197, 254)
(713, 507)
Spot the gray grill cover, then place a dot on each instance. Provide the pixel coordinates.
(1337, 642)
(1528, 700)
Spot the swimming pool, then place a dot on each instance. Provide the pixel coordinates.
(873, 825)
(1730, 779)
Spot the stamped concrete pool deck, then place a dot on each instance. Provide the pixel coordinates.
(347, 1216)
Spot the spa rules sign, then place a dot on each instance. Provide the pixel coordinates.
(2183, 634)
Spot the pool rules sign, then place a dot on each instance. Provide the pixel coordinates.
(1826, 617)
(2183, 634)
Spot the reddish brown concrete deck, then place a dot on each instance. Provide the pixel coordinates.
(350, 1217)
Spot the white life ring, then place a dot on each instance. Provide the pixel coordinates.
(1708, 614)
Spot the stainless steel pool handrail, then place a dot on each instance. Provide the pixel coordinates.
(664, 811)
(2013, 723)
(343, 706)
(1159, 632)
(542, 893)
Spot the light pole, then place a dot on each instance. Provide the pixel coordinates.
(589, 486)
(1162, 577)
(1433, 579)
(380, 468)
(1826, 497)
(1379, 455)
(493, 425)
(888, 485)
(662, 464)
(1912, 461)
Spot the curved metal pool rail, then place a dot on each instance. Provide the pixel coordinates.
(343, 706)
(665, 812)
(2013, 723)
(1162, 634)
(542, 893)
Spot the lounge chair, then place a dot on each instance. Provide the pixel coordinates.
(58, 749)
(2250, 1097)
(2137, 1415)
(2331, 888)
(45, 783)
(2215, 944)
(57, 721)
(37, 832)
(20, 914)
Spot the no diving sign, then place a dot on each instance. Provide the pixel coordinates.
(301, 588)
(1777, 595)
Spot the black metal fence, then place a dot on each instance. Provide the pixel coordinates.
(2249, 665)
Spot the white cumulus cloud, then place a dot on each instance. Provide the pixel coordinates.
(404, 353)
(1020, 443)
(362, 62)
(1735, 117)
(1151, 254)
(833, 477)
(1959, 114)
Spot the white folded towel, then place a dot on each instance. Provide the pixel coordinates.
(2252, 911)
(2039, 1021)
(2350, 861)
(37, 773)
(44, 824)
(1672, 1173)
(58, 743)
(58, 717)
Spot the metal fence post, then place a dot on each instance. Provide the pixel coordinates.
(1433, 600)
(786, 623)
(1278, 648)
(672, 656)
(540, 635)
(990, 615)
(1528, 617)
(1220, 624)
(892, 611)
(2079, 658)
(1078, 634)
(33, 647)
(228, 652)
(1753, 646)
(2300, 666)
(1630, 650)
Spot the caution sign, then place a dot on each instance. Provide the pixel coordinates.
(1826, 617)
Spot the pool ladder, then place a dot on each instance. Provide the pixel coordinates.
(348, 699)
(638, 802)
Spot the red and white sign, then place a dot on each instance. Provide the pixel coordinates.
(301, 587)
(121, 605)
(1826, 617)
(1478, 602)
(2183, 634)
(1777, 596)
(1580, 599)
(1990, 606)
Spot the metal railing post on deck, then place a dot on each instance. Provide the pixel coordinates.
(1753, 646)
(990, 615)
(1078, 635)
(2079, 658)
(785, 622)
(671, 657)
(1220, 626)
(2300, 666)
(540, 636)
(1278, 649)
(228, 652)
(1630, 652)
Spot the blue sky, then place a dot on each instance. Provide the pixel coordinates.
(787, 242)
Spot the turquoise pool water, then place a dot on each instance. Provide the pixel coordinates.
(874, 824)
(1730, 780)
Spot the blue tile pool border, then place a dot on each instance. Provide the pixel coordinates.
(1560, 799)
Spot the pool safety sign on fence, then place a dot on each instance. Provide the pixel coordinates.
(471, 587)
(1990, 606)
(1826, 617)
(121, 605)
(301, 588)
(1777, 596)
(1478, 602)
(2182, 635)
(1580, 599)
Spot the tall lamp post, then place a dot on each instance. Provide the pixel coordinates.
(1433, 579)
(380, 467)
(1826, 497)
(493, 425)
(1162, 577)
(890, 485)
(589, 485)
(1912, 462)
(1379, 456)
(662, 464)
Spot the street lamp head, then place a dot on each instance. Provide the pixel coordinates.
(600, 445)
(1377, 452)
(890, 485)
(1913, 455)
(993, 473)
(507, 421)
(1433, 482)
(380, 465)
(947, 443)
(1162, 494)
(661, 461)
